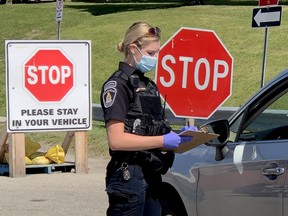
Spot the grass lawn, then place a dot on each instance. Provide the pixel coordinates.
(105, 23)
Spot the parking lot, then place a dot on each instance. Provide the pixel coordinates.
(56, 193)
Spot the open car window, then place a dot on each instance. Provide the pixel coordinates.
(268, 119)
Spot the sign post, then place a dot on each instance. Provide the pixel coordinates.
(266, 16)
(194, 73)
(59, 14)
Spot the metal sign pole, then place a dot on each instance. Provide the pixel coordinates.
(266, 17)
(58, 34)
(264, 57)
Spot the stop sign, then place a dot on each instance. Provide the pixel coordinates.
(268, 2)
(48, 75)
(194, 73)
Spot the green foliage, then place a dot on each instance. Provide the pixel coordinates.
(105, 24)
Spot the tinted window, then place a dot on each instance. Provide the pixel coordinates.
(269, 120)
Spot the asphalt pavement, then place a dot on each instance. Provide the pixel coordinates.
(57, 193)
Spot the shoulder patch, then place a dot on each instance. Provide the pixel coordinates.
(109, 93)
(110, 84)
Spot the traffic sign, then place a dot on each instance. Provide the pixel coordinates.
(48, 85)
(49, 75)
(268, 2)
(194, 73)
(267, 16)
(59, 10)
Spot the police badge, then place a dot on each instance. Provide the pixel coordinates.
(109, 93)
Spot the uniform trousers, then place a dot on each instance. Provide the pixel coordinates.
(135, 197)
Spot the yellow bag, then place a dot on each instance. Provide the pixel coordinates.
(30, 146)
(28, 161)
(41, 160)
(6, 159)
(36, 154)
(56, 154)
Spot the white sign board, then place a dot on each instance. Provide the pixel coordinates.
(48, 85)
(59, 10)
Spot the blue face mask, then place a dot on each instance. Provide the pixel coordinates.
(147, 63)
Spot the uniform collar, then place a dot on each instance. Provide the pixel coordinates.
(129, 70)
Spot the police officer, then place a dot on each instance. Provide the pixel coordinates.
(137, 130)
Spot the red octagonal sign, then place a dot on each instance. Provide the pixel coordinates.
(48, 75)
(194, 73)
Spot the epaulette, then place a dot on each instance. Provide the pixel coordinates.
(121, 75)
(133, 79)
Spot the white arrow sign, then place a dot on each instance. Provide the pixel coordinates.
(266, 17)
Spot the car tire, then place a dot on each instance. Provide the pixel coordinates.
(171, 203)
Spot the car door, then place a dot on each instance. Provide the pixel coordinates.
(250, 179)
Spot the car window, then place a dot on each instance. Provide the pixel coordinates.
(270, 122)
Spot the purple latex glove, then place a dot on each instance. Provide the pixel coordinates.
(191, 128)
(173, 140)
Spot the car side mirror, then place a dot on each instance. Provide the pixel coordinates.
(220, 127)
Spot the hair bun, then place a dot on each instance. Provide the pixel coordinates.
(120, 47)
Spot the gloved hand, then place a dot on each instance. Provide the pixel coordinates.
(173, 140)
(191, 128)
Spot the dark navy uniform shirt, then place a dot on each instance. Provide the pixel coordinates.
(118, 93)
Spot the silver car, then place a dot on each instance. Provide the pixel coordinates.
(244, 171)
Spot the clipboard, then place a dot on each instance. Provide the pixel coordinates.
(199, 138)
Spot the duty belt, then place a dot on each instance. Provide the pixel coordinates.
(129, 157)
(145, 159)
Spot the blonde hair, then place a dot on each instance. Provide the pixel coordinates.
(136, 34)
